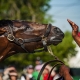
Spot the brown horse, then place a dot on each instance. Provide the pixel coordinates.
(75, 32)
(23, 36)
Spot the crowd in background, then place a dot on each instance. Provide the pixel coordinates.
(29, 73)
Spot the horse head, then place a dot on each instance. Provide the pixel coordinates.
(20, 36)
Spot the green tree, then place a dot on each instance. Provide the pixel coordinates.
(32, 10)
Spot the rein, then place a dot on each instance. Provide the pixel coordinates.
(21, 42)
(56, 59)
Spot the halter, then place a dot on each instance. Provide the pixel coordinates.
(21, 42)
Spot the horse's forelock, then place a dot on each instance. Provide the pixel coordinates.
(21, 23)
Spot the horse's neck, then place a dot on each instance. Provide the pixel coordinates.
(38, 29)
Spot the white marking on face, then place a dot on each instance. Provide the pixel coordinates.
(52, 38)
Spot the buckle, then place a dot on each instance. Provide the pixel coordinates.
(10, 37)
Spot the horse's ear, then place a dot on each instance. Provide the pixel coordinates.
(2, 31)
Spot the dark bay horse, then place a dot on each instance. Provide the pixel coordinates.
(23, 36)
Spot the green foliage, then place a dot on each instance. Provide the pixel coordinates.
(32, 10)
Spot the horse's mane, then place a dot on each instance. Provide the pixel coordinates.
(10, 22)
(5, 23)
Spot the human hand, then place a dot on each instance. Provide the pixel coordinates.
(64, 70)
(6, 71)
(74, 27)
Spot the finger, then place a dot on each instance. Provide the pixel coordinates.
(71, 23)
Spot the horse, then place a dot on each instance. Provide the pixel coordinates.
(24, 36)
(75, 32)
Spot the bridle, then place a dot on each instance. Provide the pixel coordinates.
(21, 42)
(56, 62)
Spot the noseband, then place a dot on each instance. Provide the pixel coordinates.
(21, 42)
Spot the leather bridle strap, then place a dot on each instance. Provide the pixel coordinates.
(46, 34)
(44, 38)
(20, 41)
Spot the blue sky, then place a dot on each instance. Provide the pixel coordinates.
(61, 10)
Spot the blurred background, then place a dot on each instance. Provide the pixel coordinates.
(55, 12)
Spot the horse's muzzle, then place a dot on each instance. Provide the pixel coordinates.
(57, 39)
